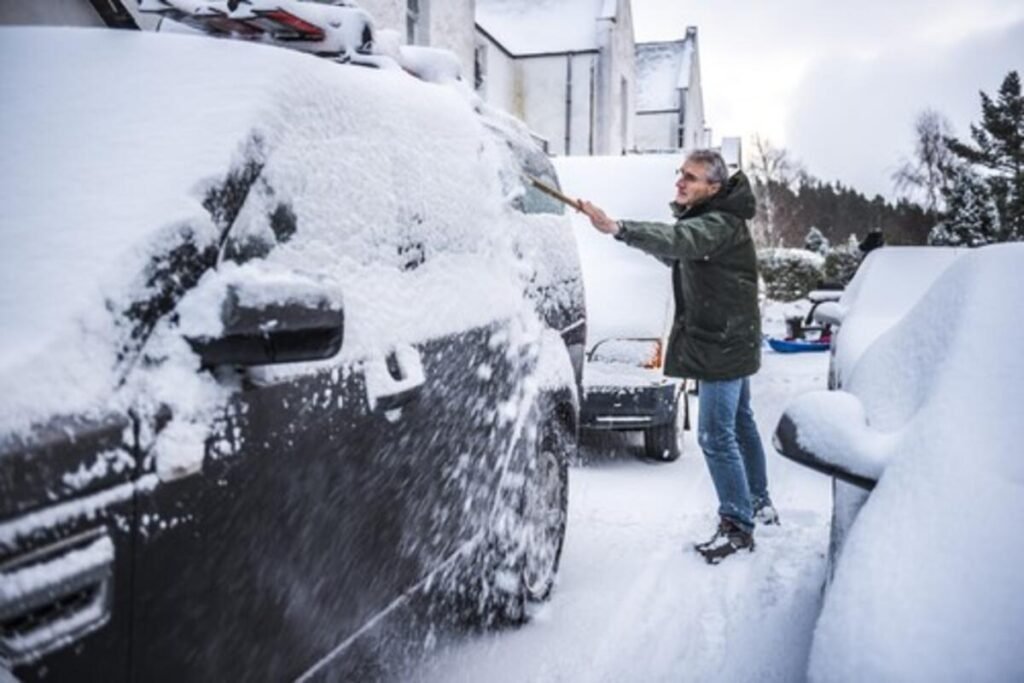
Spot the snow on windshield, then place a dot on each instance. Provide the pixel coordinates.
(929, 585)
(114, 140)
(629, 294)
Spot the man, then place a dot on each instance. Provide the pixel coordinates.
(716, 332)
(873, 240)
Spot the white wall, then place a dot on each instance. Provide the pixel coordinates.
(619, 64)
(656, 131)
(452, 27)
(694, 131)
(539, 99)
(500, 79)
(603, 117)
(449, 24)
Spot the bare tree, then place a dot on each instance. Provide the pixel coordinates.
(927, 174)
(772, 169)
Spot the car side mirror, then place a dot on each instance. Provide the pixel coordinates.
(269, 320)
(827, 431)
(828, 313)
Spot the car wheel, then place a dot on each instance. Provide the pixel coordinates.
(545, 509)
(665, 442)
(516, 563)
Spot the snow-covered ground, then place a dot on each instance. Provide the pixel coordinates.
(634, 602)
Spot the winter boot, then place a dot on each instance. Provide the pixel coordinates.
(767, 515)
(728, 539)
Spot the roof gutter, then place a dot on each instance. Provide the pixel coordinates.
(532, 55)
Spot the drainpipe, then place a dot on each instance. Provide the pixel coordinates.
(568, 101)
(593, 80)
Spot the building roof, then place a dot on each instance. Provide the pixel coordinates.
(662, 69)
(529, 27)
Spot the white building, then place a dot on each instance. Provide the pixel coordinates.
(670, 101)
(565, 67)
(445, 24)
(569, 68)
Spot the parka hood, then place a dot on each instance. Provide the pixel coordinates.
(735, 197)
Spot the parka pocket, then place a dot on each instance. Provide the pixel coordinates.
(706, 335)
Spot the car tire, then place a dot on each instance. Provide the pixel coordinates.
(516, 564)
(545, 509)
(664, 443)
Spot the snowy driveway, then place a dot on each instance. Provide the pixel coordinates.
(635, 603)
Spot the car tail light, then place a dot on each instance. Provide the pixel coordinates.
(305, 29)
(227, 25)
(656, 358)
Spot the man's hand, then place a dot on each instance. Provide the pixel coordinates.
(599, 219)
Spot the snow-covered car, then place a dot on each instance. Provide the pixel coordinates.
(888, 283)
(284, 343)
(925, 420)
(629, 303)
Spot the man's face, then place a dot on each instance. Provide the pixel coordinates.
(693, 187)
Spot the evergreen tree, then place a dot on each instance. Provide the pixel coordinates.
(972, 219)
(789, 199)
(998, 150)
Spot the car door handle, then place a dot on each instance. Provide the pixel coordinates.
(54, 596)
(395, 379)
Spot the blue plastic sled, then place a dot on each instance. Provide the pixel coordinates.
(796, 345)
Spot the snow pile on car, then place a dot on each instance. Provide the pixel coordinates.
(887, 285)
(929, 585)
(123, 157)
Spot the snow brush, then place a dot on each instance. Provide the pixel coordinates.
(552, 192)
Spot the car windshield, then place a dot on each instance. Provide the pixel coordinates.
(641, 353)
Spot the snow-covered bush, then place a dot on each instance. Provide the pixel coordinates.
(790, 273)
(841, 264)
(816, 242)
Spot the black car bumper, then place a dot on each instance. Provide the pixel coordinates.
(628, 408)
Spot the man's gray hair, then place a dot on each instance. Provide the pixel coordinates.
(713, 162)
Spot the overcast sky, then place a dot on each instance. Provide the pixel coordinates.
(840, 84)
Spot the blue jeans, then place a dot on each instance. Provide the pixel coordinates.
(732, 447)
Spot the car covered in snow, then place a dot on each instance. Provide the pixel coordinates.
(888, 283)
(629, 304)
(285, 342)
(923, 419)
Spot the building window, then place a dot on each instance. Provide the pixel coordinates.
(479, 66)
(416, 22)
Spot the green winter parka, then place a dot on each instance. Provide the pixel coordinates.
(716, 330)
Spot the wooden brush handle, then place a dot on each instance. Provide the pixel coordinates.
(552, 192)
